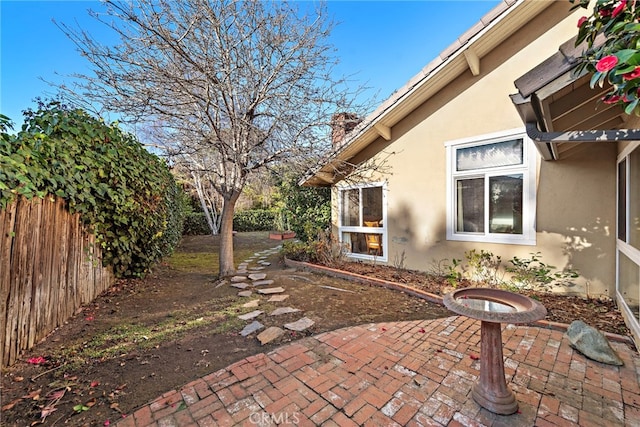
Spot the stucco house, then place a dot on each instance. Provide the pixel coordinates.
(497, 145)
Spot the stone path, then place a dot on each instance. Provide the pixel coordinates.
(253, 278)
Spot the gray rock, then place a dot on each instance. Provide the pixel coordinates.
(262, 282)
(240, 285)
(269, 291)
(251, 328)
(238, 279)
(251, 315)
(257, 276)
(592, 343)
(270, 334)
(244, 293)
(284, 310)
(278, 298)
(300, 325)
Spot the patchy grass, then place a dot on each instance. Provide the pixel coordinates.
(220, 315)
(203, 262)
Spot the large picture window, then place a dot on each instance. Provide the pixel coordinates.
(362, 226)
(491, 189)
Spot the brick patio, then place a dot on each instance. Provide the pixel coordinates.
(417, 373)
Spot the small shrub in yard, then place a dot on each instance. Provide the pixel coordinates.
(485, 267)
(531, 273)
(326, 250)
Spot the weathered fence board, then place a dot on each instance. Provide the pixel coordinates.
(49, 267)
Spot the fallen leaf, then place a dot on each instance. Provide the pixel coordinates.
(57, 395)
(36, 360)
(35, 395)
(91, 403)
(106, 423)
(89, 318)
(18, 379)
(421, 330)
(46, 411)
(474, 357)
(95, 383)
(10, 405)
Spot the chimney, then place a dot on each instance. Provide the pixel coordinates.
(341, 125)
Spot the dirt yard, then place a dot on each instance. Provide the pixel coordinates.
(145, 337)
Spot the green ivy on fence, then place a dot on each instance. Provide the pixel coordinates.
(124, 194)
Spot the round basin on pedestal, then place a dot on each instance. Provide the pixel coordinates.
(492, 307)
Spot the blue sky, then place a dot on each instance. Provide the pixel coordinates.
(384, 43)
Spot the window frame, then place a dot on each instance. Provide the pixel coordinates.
(527, 169)
(362, 229)
(623, 247)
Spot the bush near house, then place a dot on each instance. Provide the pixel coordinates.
(305, 210)
(125, 195)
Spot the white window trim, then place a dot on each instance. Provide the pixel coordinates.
(358, 229)
(529, 170)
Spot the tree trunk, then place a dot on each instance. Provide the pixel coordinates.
(227, 267)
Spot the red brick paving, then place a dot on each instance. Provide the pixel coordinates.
(416, 373)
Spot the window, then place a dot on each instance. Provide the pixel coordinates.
(628, 241)
(491, 189)
(362, 225)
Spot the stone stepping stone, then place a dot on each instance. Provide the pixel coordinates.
(251, 328)
(262, 282)
(251, 315)
(270, 334)
(283, 310)
(265, 263)
(238, 278)
(300, 325)
(258, 276)
(240, 285)
(252, 304)
(256, 268)
(243, 265)
(278, 298)
(269, 291)
(244, 293)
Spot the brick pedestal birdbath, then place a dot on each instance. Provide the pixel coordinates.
(493, 307)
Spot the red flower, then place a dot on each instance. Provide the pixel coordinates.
(611, 99)
(607, 63)
(582, 20)
(632, 74)
(604, 12)
(619, 8)
(37, 360)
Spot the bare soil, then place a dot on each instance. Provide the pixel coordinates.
(143, 338)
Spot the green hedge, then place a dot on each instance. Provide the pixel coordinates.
(196, 224)
(254, 220)
(124, 194)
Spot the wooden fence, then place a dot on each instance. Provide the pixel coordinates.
(49, 267)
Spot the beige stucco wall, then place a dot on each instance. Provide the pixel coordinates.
(575, 198)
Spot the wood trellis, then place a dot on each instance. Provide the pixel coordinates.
(49, 267)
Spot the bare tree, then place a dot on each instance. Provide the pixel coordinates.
(243, 83)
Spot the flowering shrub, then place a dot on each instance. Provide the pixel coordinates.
(617, 59)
